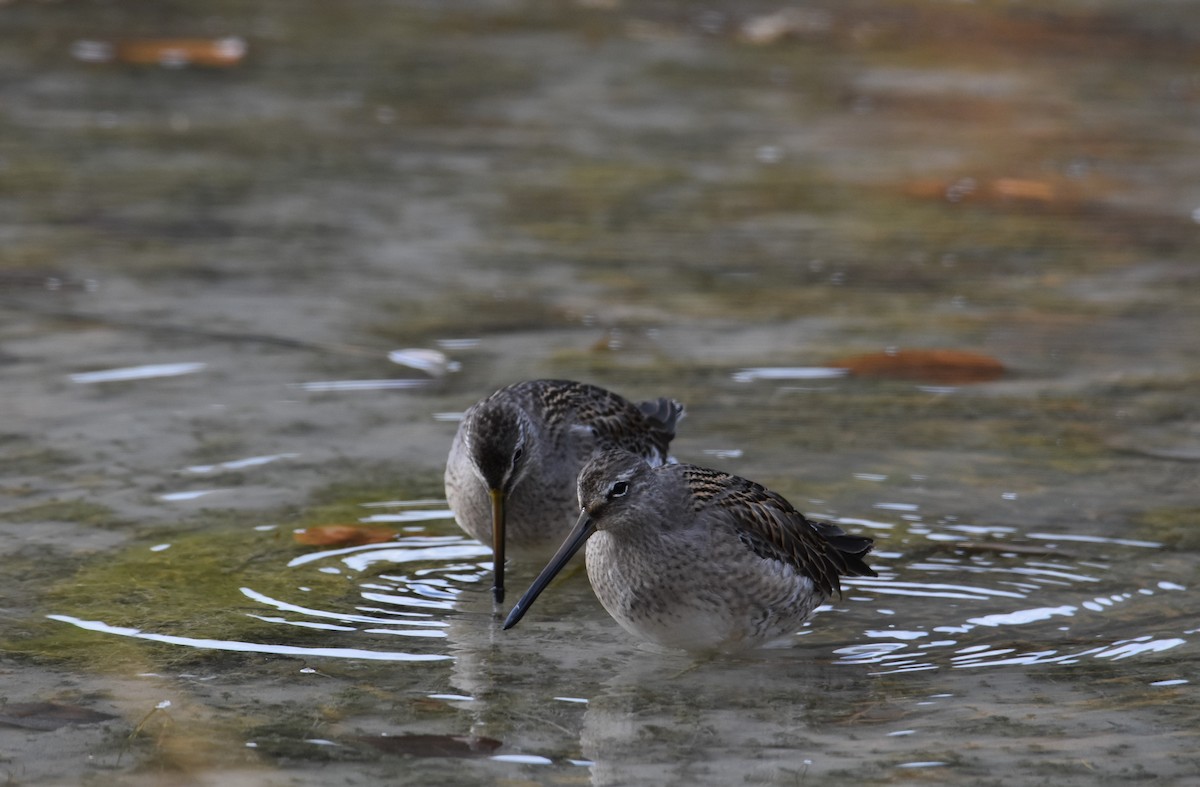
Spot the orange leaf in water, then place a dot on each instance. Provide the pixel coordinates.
(166, 52)
(1049, 193)
(342, 535)
(935, 366)
(1023, 189)
(177, 52)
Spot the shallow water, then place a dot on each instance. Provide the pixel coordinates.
(251, 298)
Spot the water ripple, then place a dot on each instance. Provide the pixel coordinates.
(1053, 604)
(248, 647)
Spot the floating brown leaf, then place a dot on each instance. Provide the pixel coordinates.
(1057, 194)
(1025, 189)
(342, 535)
(167, 52)
(174, 52)
(48, 715)
(432, 745)
(935, 366)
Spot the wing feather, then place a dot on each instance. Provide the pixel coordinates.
(645, 429)
(768, 525)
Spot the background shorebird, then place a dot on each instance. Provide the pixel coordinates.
(514, 463)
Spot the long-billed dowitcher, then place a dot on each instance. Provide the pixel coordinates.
(698, 559)
(512, 471)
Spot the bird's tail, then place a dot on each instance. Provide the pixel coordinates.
(664, 411)
(852, 549)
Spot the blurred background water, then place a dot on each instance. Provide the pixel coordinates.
(928, 269)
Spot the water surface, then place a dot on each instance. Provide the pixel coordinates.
(249, 294)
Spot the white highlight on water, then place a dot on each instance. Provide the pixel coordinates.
(145, 372)
(523, 759)
(240, 464)
(175, 497)
(334, 386)
(788, 373)
(249, 647)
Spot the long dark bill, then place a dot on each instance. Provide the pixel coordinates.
(584, 528)
(497, 496)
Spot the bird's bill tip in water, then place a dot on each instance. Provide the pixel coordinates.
(497, 496)
(584, 527)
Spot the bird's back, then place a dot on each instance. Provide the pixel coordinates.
(602, 419)
(703, 560)
(771, 528)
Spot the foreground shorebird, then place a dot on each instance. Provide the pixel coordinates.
(698, 559)
(512, 471)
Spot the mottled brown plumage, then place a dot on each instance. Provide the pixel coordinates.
(698, 559)
(512, 469)
(774, 530)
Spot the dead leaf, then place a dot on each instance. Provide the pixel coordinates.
(1051, 193)
(342, 535)
(166, 52)
(936, 366)
(1024, 189)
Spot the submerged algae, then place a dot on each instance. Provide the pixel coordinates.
(1176, 527)
(81, 512)
(187, 579)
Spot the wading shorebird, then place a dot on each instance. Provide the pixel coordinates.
(697, 559)
(514, 463)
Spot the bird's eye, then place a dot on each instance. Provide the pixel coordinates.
(619, 489)
(517, 454)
